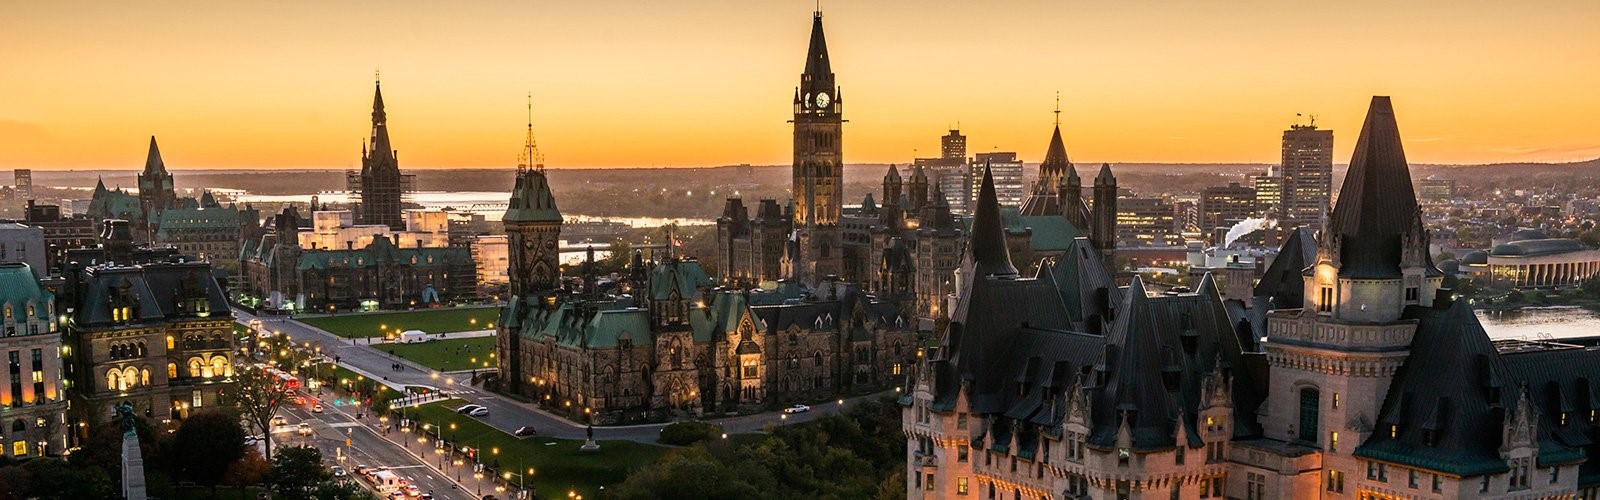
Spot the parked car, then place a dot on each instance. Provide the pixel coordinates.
(468, 408)
(304, 429)
(479, 412)
(797, 409)
(525, 431)
(279, 420)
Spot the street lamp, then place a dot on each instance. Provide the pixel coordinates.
(479, 477)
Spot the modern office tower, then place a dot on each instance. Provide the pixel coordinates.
(24, 178)
(1269, 192)
(1307, 173)
(953, 146)
(1433, 190)
(1144, 221)
(1007, 172)
(1224, 206)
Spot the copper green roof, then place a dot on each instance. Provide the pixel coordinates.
(19, 289)
(531, 199)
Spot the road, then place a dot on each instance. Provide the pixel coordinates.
(504, 413)
(367, 447)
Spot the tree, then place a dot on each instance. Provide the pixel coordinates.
(1515, 297)
(296, 471)
(52, 478)
(247, 470)
(258, 397)
(617, 261)
(340, 490)
(1591, 286)
(206, 444)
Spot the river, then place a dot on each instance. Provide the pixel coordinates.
(1536, 322)
(490, 204)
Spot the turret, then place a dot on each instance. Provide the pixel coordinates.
(1104, 232)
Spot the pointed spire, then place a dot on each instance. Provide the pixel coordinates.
(152, 162)
(893, 175)
(817, 66)
(100, 187)
(1105, 178)
(380, 155)
(986, 251)
(1377, 206)
(531, 157)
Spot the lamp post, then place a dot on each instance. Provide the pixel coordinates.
(478, 476)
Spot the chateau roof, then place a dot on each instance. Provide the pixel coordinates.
(152, 162)
(19, 288)
(1377, 206)
(1282, 283)
(155, 291)
(986, 252)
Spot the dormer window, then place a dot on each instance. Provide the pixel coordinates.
(1394, 431)
(1411, 294)
(1326, 302)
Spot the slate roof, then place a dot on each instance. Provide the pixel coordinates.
(685, 276)
(155, 288)
(1377, 205)
(986, 253)
(19, 288)
(817, 65)
(1283, 283)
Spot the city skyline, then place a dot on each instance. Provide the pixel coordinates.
(613, 87)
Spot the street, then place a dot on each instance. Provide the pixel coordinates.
(504, 413)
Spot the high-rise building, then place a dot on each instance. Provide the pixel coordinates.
(24, 178)
(1145, 221)
(1269, 192)
(380, 185)
(1307, 174)
(1436, 190)
(1224, 206)
(1007, 172)
(953, 146)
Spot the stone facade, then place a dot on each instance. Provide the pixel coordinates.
(1351, 373)
(157, 333)
(33, 401)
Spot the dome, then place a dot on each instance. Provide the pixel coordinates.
(1475, 258)
(1450, 267)
(1506, 250)
(1528, 234)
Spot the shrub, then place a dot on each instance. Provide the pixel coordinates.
(687, 433)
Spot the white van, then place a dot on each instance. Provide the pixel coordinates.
(388, 481)
(410, 336)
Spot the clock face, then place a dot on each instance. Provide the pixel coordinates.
(822, 99)
(806, 100)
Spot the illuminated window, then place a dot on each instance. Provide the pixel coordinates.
(19, 448)
(961, 485)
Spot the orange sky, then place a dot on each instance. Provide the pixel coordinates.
(702, 82)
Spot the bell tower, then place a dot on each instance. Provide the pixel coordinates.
(533, 225)
(818, 176)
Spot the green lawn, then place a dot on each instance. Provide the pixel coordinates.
(433, 321)
(557, 467)
(446, 355)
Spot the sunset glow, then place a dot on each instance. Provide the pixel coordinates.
(702, 82)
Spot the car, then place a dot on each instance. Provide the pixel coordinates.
(525, 431)
(797, 409)
(468, 408)
(249, 440)
(279, 420)
(338, 471)
(317, 408)
(304, 429)
(397, 495)
(362, 470)
(479, 412)
(412, 490)
(427, 496)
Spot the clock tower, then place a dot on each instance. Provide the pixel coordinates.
(818, 164)
(533, 226)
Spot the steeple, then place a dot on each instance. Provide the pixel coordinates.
(986, 251)
(531, 199)
(817, 67)
(530, 158)
(1377, 207)
(152, 162)
(381, 155)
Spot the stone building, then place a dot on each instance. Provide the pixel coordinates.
(669, 344)
(33, 402)
(904, 248)
(379, 185)
(1352, 373)
(281, 275)
(154, 332)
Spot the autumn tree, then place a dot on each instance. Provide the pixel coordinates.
(258, 396)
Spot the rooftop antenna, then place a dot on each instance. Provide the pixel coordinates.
(1058, 109)
(1313, 121)
(377, 76)
(530, 157)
